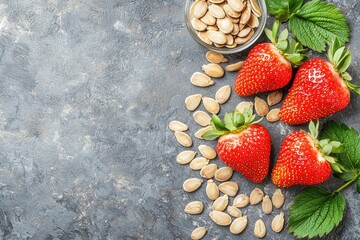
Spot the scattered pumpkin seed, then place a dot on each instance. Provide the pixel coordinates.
(261, 107)
(229, 188)
(198, 134)
(185, 157)
(260, 229)
(238, 225)
(234, 67)
(273, 115)
(274, 97)
(212, 190)
(220, 203)
(178, 126)
(198, 163)
(193, 101)
(198, 233)
(208, 171)
(223, 94)
(256, 196)
(234, 211)
(243, 105)
(201, 80)
(278, 198)
(214, 57)
(211, 105)
(223, 174)
(202, 118)
(213, 70)
(277, 223)
(184, 139)
(241, 201)
(220, 218)
(266, 205)
(195, 207)
(192, 184)
(207, 151)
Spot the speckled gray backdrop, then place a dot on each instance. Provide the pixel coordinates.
(87, 88)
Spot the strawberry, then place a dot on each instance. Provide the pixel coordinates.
(320, 88)
(303, 160)
(243, 145)
(269, 65)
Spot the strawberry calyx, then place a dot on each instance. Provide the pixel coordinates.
(340, 57)
(234, 122)
(292, 50)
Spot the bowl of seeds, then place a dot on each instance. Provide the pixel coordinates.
(225, 26)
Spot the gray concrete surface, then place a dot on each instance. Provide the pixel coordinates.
(87, 89)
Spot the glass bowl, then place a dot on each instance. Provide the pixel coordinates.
(225, 50)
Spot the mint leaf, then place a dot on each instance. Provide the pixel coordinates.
(349, 158)
(315, 212)
(317, 23)
(358, 185)
(282, 9)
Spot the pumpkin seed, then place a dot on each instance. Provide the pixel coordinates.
(212, 190)
(220, 203)
(198, 163)
(208, 19)
(243, 33)
(216, 1)
(216, 11)
(230, 39)
(234, 67)
(278, 199)
(243, 40)
(200, 8)
(261, 107)
(230, 12)
(225, 25)
(198, 25)
(241, 201)
(193, 101)
(232, 46)
(220, 218)
(266, 205)
(241, 26)
(208, 171)
(215, 57)
(238, 225)
(223, 174)
(234, 211)
(234, 20)
(213, 70)
(184, 139)
(207, 151)
(192, 184)
(212, 27)
(277, 223)
(178, 126)
(274, 97)
(198, 233)
(202, 118)
(236, 29)
(255, 8)
(195, 207)
(201, 80)
(216, 36)
(229, 188)
(220, 45)
(244, 105)
(198, 134)
(236, 5)
(185, 157)
(260, 229)
(256, 196)
(204, 37)
(223, 94)
(273, 115)
(253, 21)
(211, 105)
(245, 15)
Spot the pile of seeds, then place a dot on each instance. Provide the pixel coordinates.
(225, 23)
(219, 189)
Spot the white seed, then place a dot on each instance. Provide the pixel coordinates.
(274, 97)
(211, 105)
(212, 27)
(230, 39)
(245, 15)
(198, 25)
(260, 229)
(200, 8)
(198, 163)
(220, 45)
(192, 184)
(215, 57)
(193, 101)
(230, 12)
(256, 196)
(229, 188)
(184, 139)
(208, 19)
(278, 199)
(216, 36)
(255, 8)
(241, 26)
(236, 5)
(261, 107)
(207, 151)
(253, 21)
(213, 70)
(223, 94)
(198, 233)
(225, 25)
(201, 80)
(232, 46)
(204, 37)
(243, 40)
(243, 33)
(223, 174)
(241, 201)
(212, 190)
(273, 115)
(220, 203)
(277, 223)
(244, 105)
(208, 171)
(216, 11)
(195, 207)
(266, 205)
(185, 157)
(236, 29)
(234, 211)
(216, 1)
(202, 118)
(220, 218)
(234, 67)
(178, 126)
(238, 225)
(198, 134)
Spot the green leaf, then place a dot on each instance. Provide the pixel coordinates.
(268, 33)
(238, 118)
(283, 35)
(346, 76)
(358, 185)
(315, 212)
(345, 63)
(217, 123)
(346, 176)
(336, 167)
(282, 9)
(318, 23)
(228, 119)
(213, 134)
(354, 88)
(349, 158)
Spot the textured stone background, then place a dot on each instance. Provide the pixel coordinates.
(87, 88)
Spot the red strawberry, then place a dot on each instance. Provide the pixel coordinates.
(242, 145)
(303, 160)
(320, 88)
(269, 65)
